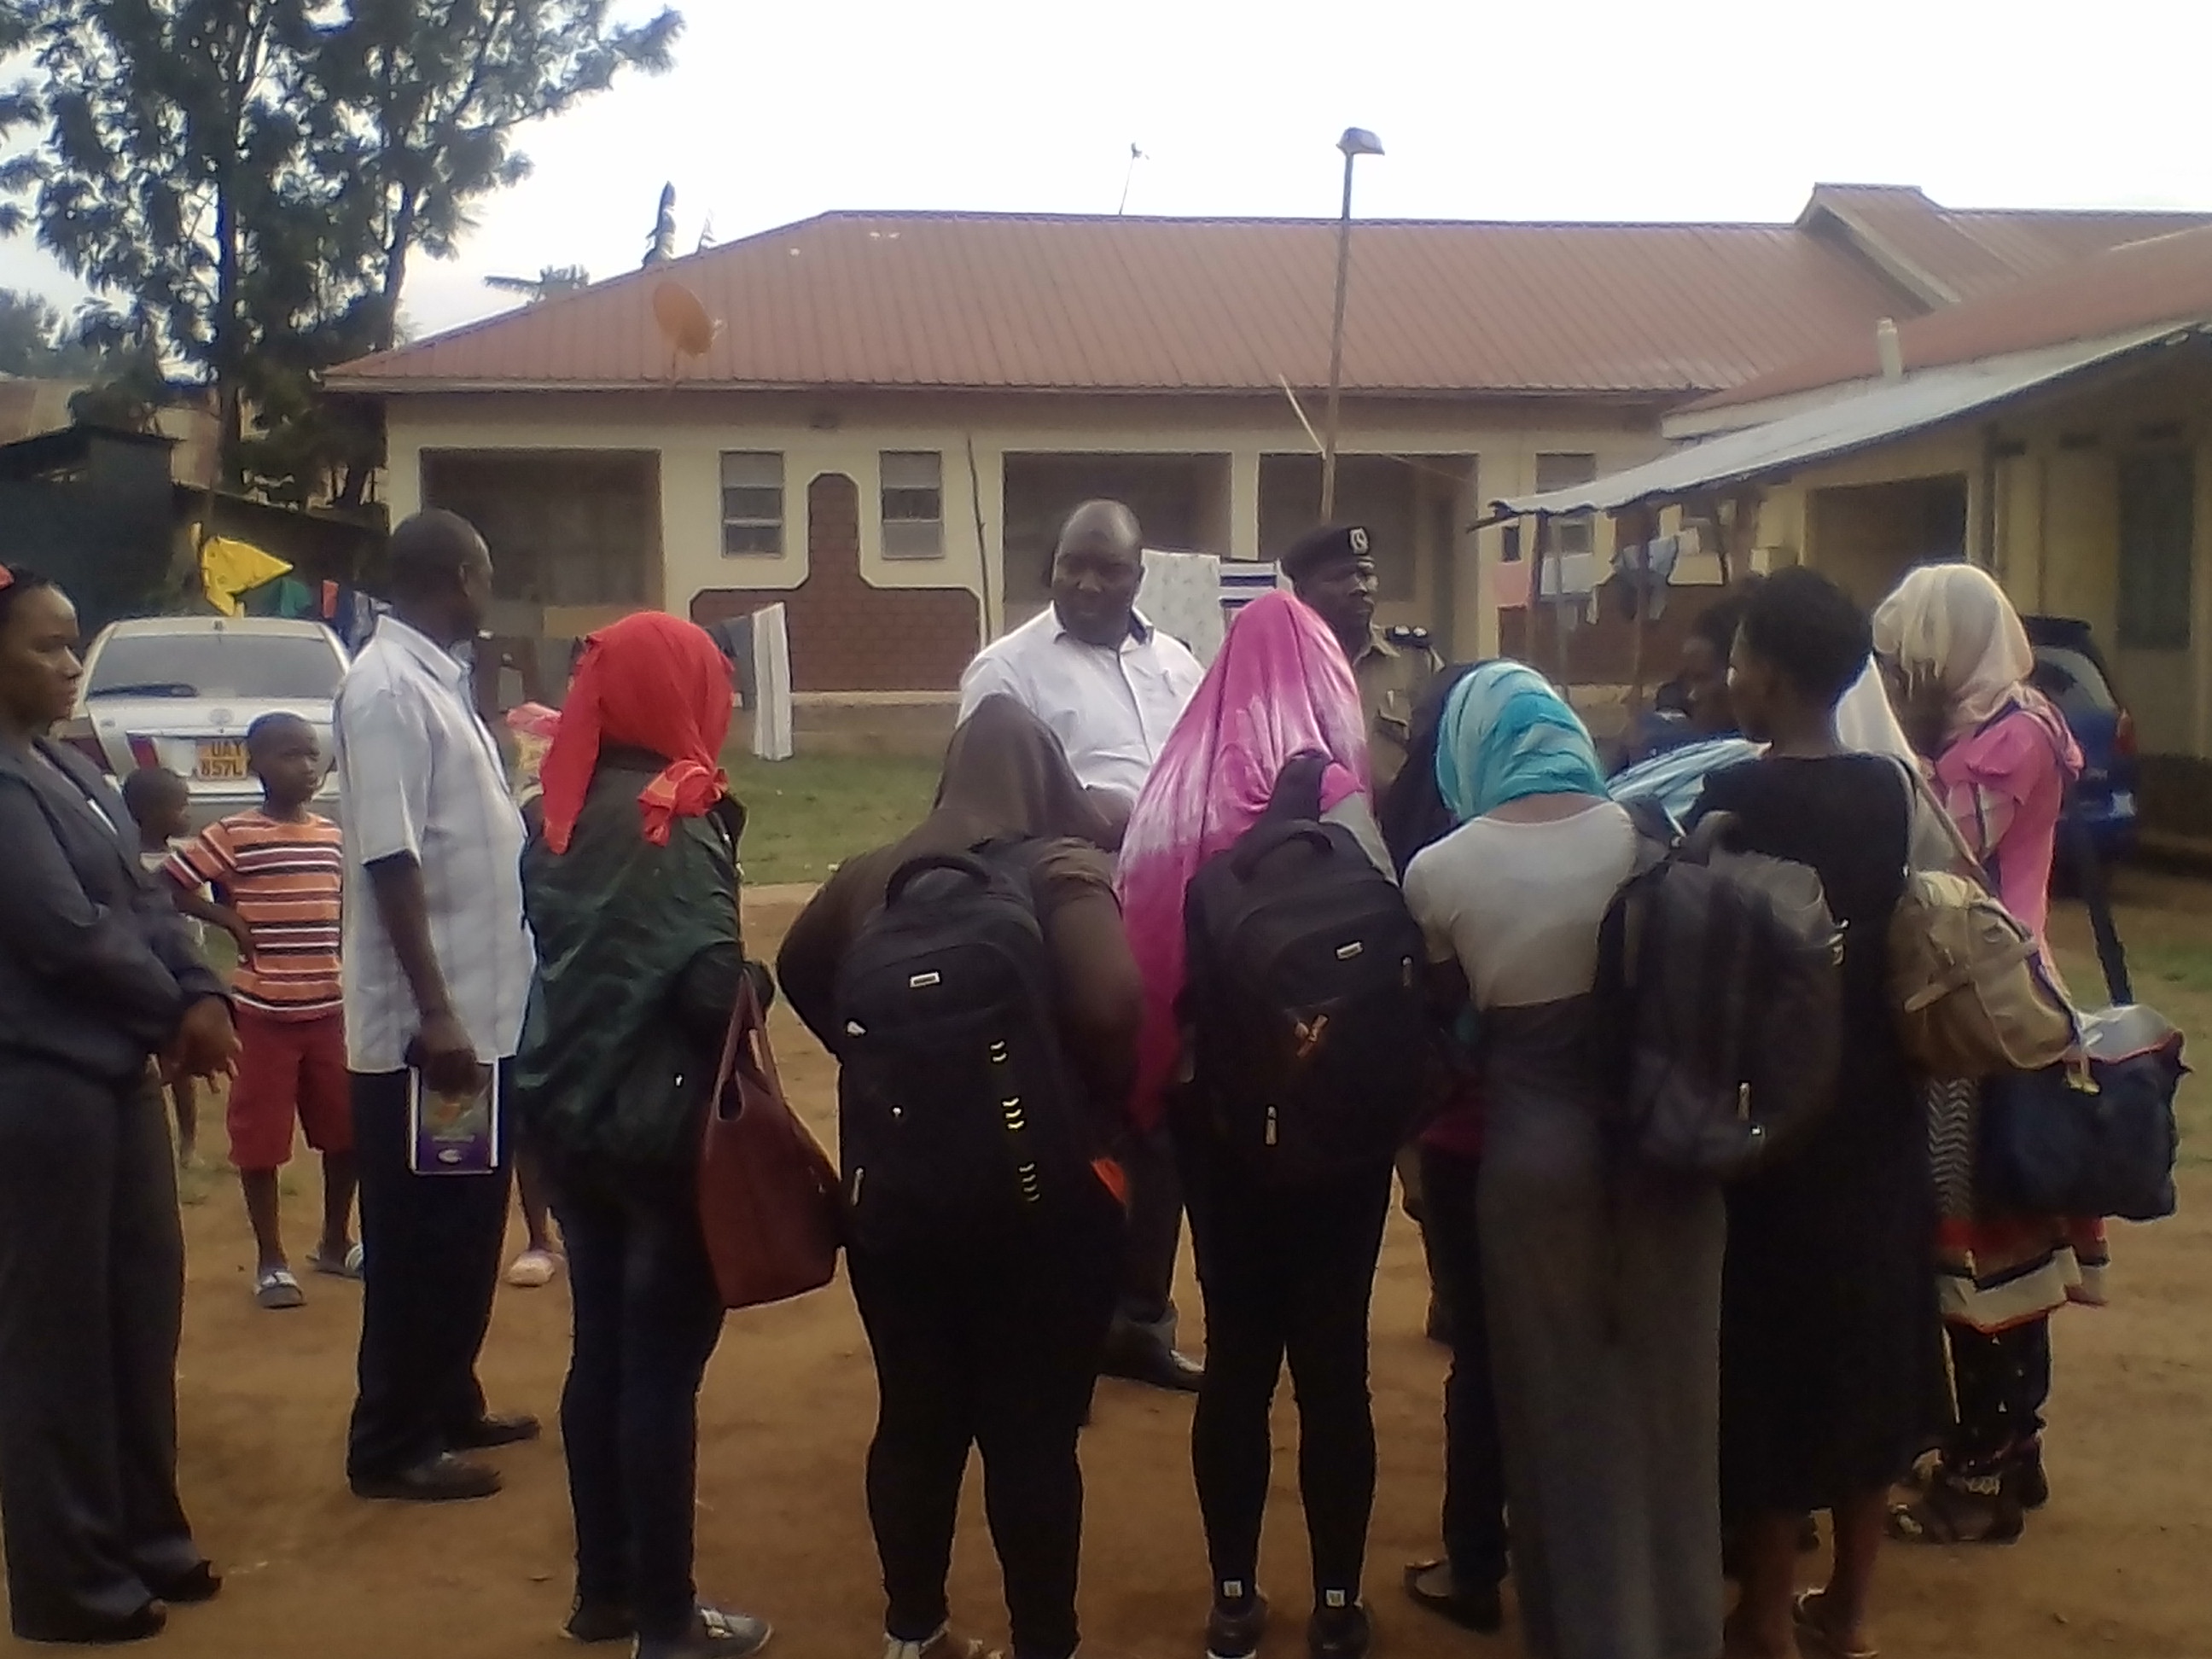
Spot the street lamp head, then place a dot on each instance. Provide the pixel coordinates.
(1357, 141)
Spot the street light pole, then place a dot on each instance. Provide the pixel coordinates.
(1356, 143)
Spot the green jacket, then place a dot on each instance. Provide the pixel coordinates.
(639, 955)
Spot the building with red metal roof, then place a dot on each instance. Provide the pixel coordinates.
(892, 410)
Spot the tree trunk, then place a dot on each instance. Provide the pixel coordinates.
(230, 423)
(395, 268)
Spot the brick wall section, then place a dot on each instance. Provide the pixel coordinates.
(846, 635)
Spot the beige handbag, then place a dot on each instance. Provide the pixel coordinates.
(1973, 997)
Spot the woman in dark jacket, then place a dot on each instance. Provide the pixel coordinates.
(988, 1336)
(631, 883)
(97, 973)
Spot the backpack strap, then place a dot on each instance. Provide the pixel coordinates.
(1296, 794)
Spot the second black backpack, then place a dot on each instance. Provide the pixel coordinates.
(958, 1113)
(1311, 1043)
(1720, 993)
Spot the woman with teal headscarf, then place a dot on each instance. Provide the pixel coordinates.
(1601, 1280)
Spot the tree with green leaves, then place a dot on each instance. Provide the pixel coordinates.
(175, 176)
(37, 342)
(549, 283)
(425, 98)
(245, 182)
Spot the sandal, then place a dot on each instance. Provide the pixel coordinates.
(1814, 1640)
(1959, 1509)
(274, 1287)
(1479, 1610)
(346, 1267)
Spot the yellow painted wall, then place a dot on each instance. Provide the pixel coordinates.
(845, 433)
(2056, 517)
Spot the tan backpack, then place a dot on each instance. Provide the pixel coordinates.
(1974, 998)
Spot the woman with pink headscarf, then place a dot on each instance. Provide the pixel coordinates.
(1283, 1276)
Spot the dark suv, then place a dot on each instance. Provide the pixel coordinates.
(2072, 673)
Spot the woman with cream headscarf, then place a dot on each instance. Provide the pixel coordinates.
(1957, 661)
(1603, 1281)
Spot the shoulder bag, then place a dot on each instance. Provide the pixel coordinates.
(767, 1193)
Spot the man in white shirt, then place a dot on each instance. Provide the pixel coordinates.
(1112, 687)
(437, 965)
(1109, 684)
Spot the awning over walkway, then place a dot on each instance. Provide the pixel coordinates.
(1857, 418)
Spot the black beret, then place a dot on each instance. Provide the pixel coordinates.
(1325, 545)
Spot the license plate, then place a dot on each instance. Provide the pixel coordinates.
(222, 762)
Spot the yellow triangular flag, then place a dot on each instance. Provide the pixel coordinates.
(228, 567)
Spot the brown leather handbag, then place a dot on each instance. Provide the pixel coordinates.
(768, 1199)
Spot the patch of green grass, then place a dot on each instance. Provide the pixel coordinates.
(2189, 966)
(806, 815)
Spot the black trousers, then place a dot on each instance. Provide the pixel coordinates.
(992, 1344)
(92, 1284)
(648, 1317)
(2003, 1383)
(1286, 1275)
(430, 1249)
(1144, 1310)
(1474, 1465)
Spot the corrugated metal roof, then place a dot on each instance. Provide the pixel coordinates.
(2164, 280)
(1946, 255)
(1852, 420)
(980, 301)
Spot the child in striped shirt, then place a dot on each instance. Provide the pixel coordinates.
(276, 875)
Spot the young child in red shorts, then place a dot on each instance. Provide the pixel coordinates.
(276, 875)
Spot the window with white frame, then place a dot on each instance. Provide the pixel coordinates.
(1574, 533)
(753, 503)
(912, 503)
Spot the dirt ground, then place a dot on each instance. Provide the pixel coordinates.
(2116, 1567)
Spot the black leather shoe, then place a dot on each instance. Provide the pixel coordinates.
(444, 1479)
(591, 1622)
(1478, 1607)
(490, 1430)
(100, 1630)
(1153, 1363)
(189, 1588)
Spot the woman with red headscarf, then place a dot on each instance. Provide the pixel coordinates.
(630, 883)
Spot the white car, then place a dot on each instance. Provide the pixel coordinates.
(180, 691)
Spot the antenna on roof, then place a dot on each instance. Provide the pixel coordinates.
(1128, 175)
(662, 248)
(1889, 350)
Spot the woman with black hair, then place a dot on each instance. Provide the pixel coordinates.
(98, 973)
(1832, 1367)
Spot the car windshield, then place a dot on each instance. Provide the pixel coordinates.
(2069, 679)
(245, 667)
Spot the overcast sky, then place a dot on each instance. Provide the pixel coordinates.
(1609, 109)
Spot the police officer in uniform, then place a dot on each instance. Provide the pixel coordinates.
(1332, 570)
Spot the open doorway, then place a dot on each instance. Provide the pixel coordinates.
(1866, 536)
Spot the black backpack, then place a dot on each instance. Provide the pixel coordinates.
(1311, 1043)
(957, 1112)
(1720, 994)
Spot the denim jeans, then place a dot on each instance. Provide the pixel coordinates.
(648, 1317)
